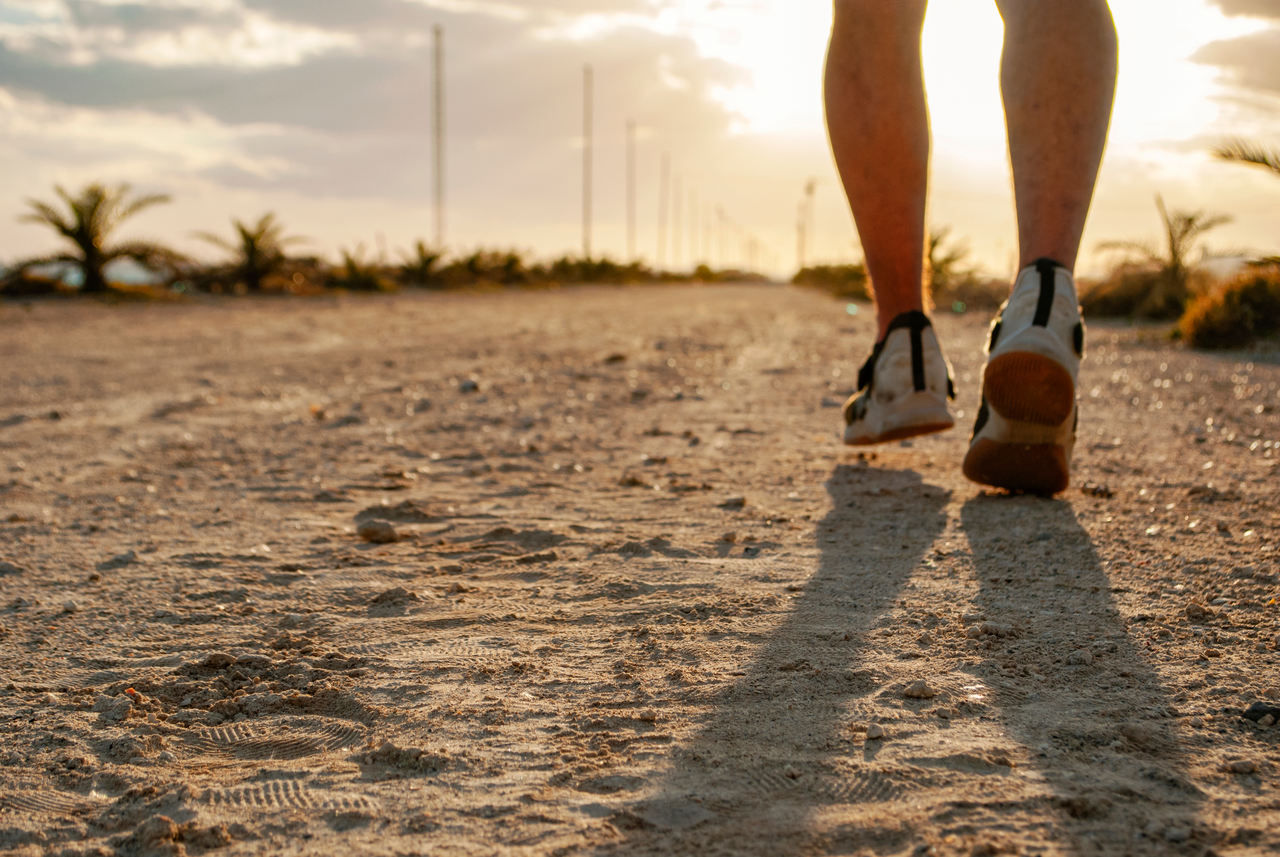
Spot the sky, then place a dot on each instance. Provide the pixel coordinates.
(320, 111)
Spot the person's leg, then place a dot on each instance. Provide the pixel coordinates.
(1058, 76)
(879, 128)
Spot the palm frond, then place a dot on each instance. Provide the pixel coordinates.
(1243, 152)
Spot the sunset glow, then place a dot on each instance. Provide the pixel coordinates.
(321, 114)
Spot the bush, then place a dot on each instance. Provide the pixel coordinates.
(1236, 313)
(1142, 290)
(971, 292)
(846, 282)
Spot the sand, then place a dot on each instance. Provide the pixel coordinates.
(587, 572)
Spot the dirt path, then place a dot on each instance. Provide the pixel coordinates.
(640, 600)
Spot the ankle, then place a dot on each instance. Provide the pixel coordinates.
(885, 314)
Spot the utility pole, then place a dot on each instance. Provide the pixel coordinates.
(631, 191)
(693, 227)
(720, 218)
(588, 145)
(438, 128)
(664, 203)
(806, 219)
(677, 225)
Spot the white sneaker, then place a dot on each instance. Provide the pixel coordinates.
(902, 388)
(1026, 426)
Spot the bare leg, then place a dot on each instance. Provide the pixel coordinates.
(879, 129)
(1058, 76)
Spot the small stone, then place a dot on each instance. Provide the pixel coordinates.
(1242, 766)
(70, 606)
(920, 689)
(1267, 720)
(875, 732)
(1097, 489)
(8, 568)
(397, 596)
(378, 532)
(470, 385)
(113, 709)
(1259, 710)
(217, 661)
(1080, 657)
(1198, 612)
(734, 503)
(1177, 834)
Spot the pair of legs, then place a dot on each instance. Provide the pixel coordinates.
(1058, 80)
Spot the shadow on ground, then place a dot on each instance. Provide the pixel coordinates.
(1067, 684)
(1072, 687)
(777, 745)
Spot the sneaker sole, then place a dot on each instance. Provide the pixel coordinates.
(1036, 468)
(900, 433)
(1023, 386)
(913, 415)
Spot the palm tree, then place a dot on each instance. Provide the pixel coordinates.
(90, 218)
(421, 266)
(257, 251)
(1170, 289)
(1242, 152)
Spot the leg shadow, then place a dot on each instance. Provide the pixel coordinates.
(776, 747)
(1072, 687)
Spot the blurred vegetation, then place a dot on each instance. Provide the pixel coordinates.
(86, 222)
(954, 285)
(846, 282)
(355, 273)
(1155, 282)
(257, 253)
(1235, 313)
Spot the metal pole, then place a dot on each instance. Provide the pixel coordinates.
(693, 227)
(677, 224)
(664, 203)
(438, 127)
(631, 191)
(587, 158)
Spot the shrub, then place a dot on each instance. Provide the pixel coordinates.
(846, 282)
(1236, 313)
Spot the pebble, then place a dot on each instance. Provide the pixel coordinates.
(7, 568)
(1242, 766)
(920, 689)
(70, 607)
(734, 503)
(470, 385)
(874, 732)
(1080, 657)
(378, 532)
(1177, 834)
(1259, 710)
(1198, 612)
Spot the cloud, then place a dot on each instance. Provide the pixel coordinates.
(1250, 8)
(1251, 62)
(353, 119)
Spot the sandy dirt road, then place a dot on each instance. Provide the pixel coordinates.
(639, 600)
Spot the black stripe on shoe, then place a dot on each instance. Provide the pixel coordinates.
(984, 414)
(1046, 268)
